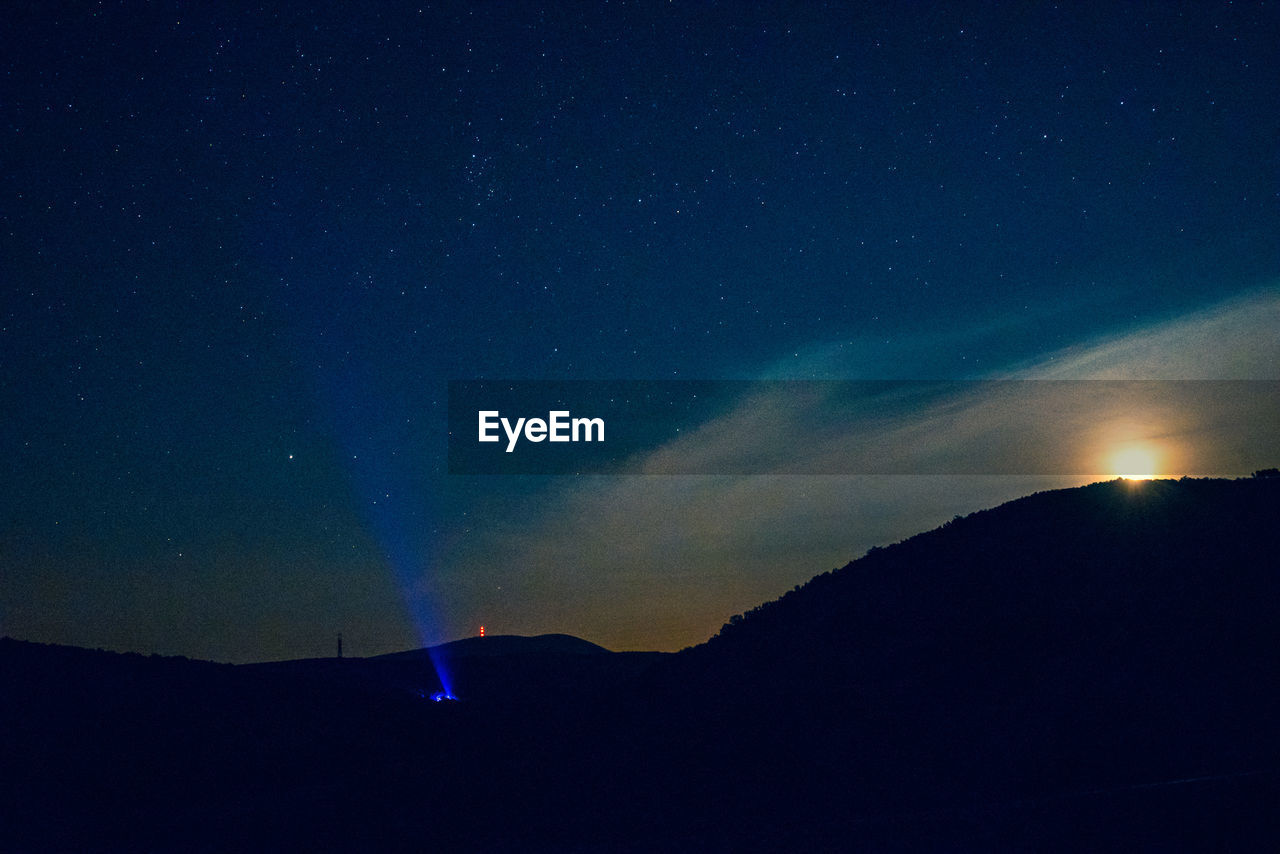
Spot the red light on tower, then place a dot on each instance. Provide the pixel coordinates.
(482, 631)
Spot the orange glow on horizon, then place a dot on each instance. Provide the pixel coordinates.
(1135, 462)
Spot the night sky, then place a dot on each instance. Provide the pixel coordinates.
(245, 249)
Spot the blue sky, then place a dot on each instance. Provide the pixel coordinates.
(246, 249)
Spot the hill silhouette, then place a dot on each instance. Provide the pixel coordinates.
(1087, 668)
(514, 670)
(1087, 640)
(502, 645)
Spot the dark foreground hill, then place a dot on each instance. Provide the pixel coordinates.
(1087, 669)
(1098, 664)
(509, 670)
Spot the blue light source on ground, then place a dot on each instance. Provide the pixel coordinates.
(397, 509)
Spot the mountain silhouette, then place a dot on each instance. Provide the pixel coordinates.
(1108, 639)
(1089, 668)
(504, 645)
(511, 669)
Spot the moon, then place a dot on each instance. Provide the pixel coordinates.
(1135, 462)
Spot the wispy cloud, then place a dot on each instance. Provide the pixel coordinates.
(672, 557)
(1235, 340)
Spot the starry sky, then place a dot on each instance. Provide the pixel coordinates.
(245, 248)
